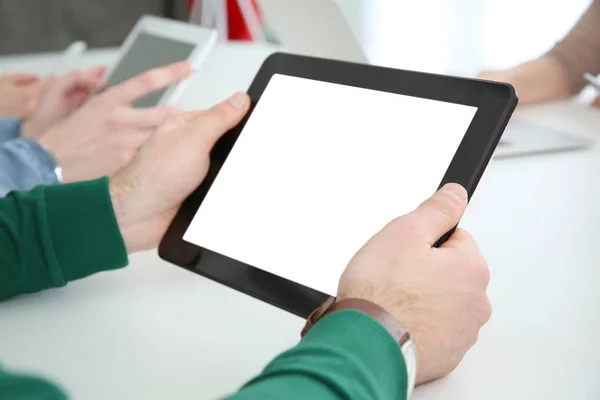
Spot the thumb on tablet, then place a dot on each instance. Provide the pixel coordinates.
(216, 121)
(441, 212)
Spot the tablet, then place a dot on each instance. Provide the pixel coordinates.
(328, 155)
(155, 42)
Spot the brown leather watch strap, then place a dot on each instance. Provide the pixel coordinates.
(386, 319)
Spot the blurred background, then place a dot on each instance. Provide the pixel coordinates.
(449, 36)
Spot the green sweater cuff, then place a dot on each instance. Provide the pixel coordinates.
(83, 229)
(371, 346)
(345, 355)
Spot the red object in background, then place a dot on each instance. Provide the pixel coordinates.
(236, 25)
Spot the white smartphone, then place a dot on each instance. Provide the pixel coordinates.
(155, 42)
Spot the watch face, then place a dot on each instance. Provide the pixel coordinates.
(409, 351)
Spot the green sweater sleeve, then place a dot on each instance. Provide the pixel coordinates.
(347, 355)
(26, 387)
(55, 234)
(52, 235)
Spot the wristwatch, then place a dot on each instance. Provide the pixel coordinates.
(387, 320)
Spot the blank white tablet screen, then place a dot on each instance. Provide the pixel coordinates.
(318, 169)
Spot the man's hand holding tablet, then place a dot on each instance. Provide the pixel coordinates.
(433, 292)
(330, 153)
(438, 294)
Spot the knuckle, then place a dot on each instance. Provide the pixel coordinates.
(449, 207)
(174, 124)
(486, 311)
(115, 118)
(405, 224)
(480, 270)
(151, 79)
(164, 115)
(475, 263)
(473, 339)
(210, 125)
(485, 274)
(213, 119)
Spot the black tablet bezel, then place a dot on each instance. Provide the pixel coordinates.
(495, 102)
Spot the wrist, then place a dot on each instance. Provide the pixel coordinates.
(90, 228)
(384, 318)
(119, 195)
(57, 168)
(28, 129)
(540, 80)
(358, 349)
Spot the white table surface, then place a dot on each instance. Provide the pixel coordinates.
(155, 331)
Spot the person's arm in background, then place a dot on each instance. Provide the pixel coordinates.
(18, 94)
(32, 240)
(348, 354)
(24, 163)
(87, 139)
(559, 73)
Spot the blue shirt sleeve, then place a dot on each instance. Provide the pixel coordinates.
(25, 164)
(9, 129)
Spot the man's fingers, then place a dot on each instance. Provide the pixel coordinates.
(148, 82)
(99, 70)
(149, 117)
(90, 78)
(215, 122)
(86, 80)
(461, 239)
(441, 212)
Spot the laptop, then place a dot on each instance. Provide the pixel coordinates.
(523, 139)
(318, 28)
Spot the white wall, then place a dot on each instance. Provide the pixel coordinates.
(459, 36)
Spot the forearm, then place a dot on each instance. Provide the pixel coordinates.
(24, 164)
(541, 80)
(347, 355)
(579, 51)
(52, 235)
